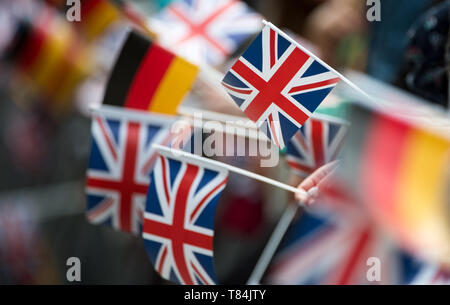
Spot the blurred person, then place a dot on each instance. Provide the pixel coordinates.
(427, 57)
(331, 24)
(388, 38)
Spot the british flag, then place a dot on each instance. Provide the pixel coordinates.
(278, 85)
(205, 31)
(120, 164)
(179, 219)
(332, 244)
(318, 142)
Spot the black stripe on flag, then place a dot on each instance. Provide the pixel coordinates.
(122, 76)
(20, 39)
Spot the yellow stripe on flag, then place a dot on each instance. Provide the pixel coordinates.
(99, 19)
(421, 192)
(175, 84)
(49, 58)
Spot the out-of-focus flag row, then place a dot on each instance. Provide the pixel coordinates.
(50, 57)
(331, 245)
(401, 171)
(389, 202)
(96, 16)
(398, 174)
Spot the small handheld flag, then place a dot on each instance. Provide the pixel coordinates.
(205, 31)
(318, 142)
(148, 77)
(278, 84)
(179, 218)
(120, 163)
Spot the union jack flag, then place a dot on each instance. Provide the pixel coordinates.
(205, 31)
(318, 142)
(278, 85)
(120, 164)
(179, 219)
(331, 244)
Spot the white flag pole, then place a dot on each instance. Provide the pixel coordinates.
(272, 244)
(346, 80)
(188, 157)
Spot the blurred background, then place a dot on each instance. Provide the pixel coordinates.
(49, 80)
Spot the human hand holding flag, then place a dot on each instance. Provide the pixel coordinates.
(316, 183)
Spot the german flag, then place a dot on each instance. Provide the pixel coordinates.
(148, 77)
(98, 15)
(403, 173)
(52, 57)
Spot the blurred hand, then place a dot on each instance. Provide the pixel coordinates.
(316, 183)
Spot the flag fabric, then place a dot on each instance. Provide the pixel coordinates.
(97, 16)
(205, 31)
(120, 163)
(278, 85)
(331, 244)
(148, 77)
(50, 54)
(401, 172)
(318, 142)
(179, 219)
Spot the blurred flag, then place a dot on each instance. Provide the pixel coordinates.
(402, 172)
(433, 275)
(120, 163)
(331, 244)
(148, 77)
(179, 218)
(19, 240)
(50, 55)
(97, 16)
(205, 31)
(278, 85)
(319, 141)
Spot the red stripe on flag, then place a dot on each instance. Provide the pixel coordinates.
(355, 258)
(199, 274)
(148, 77)
(380, 164)
(32, 48)
(243, 91)
(162, 259)
(204, 200)
(297, 166)
(272, 47)
(166, 189)
(108, 138)
(315, 85)
(318, 143)
(273, 131)
(270, 92)
(87, 6)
